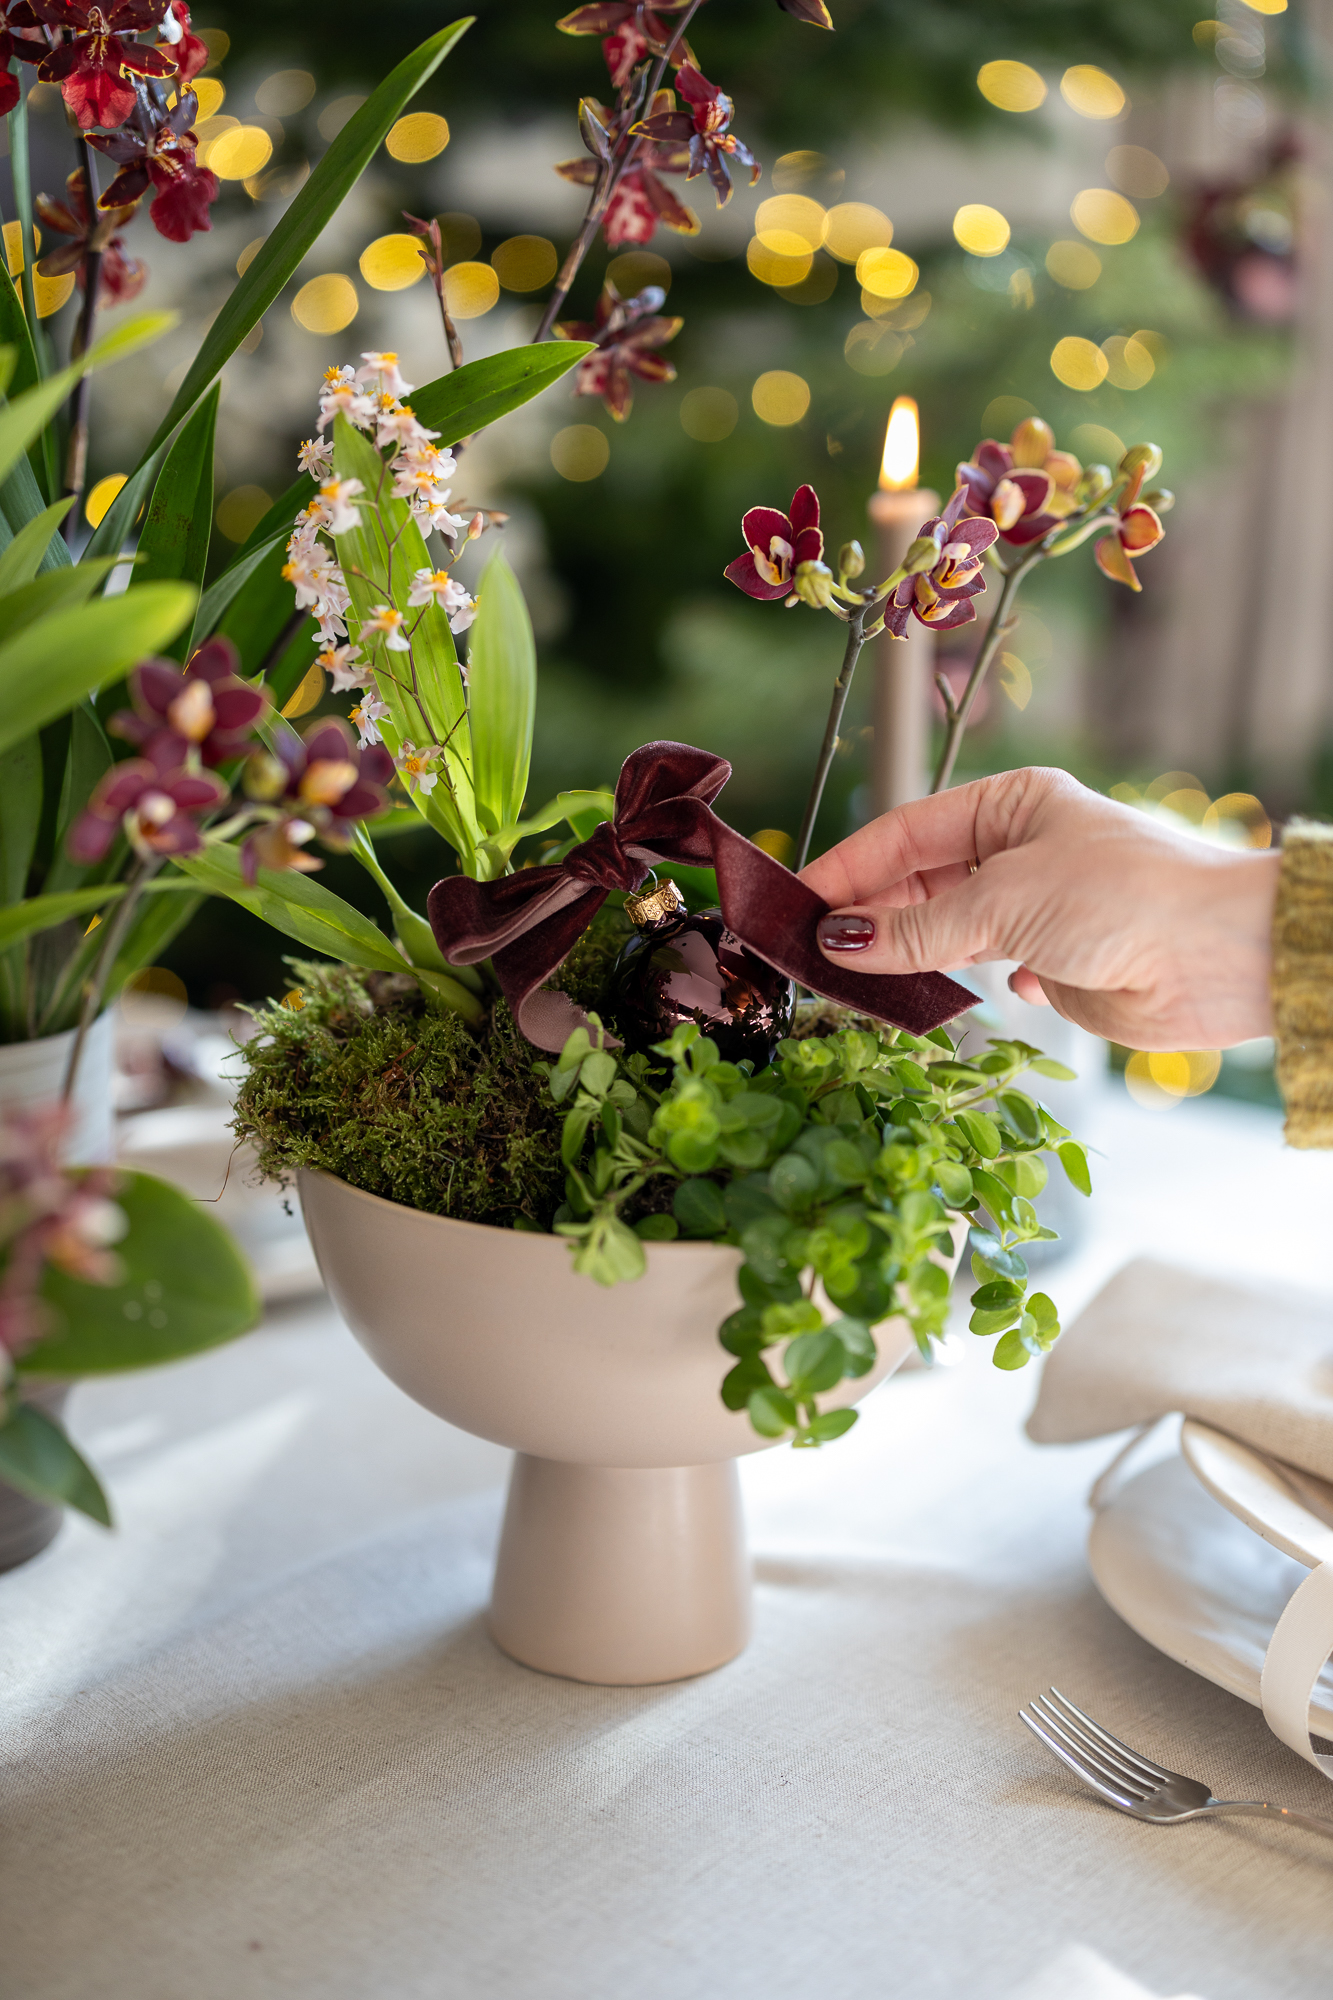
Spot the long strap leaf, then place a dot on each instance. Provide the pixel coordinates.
(52, 665)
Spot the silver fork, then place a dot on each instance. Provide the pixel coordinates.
(1132, 1782)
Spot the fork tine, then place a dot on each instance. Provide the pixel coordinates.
(1112, 1798)
(1145, 1764)
(1087, 1747)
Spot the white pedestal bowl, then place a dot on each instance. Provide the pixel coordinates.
(623, 1559)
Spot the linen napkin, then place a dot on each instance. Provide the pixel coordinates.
(1159, 1339)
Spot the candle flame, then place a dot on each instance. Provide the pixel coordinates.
(902, 447)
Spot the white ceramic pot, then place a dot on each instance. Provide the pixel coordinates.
(623, 1558)
(34, 1073)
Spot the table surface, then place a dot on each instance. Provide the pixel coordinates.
(258, 1742)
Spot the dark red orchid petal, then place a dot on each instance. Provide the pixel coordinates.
(90, 837)
(178, 835)
(804, 508)
(582, 172)
(154, 685)
(960, 612)
(10, 88)
(630, 216)
(746, 577)
(813, 11)
(648, 333)
(93, 91)
(969, 586)
(979, 535)
(761, 524)
(119, 788)
(808, 547)
(695, 87)
(181, 209)
(330, 741)
(1030, 528)
(651, 367)
(601, 18)
(237, 708)
(954, 507)
(665, 127)
(715, 166)
(216, 660)
(674, 214)
(897, 617)
(360, 801)
(377, 766)
(194, 790)
(1036, 488)
(995, 461)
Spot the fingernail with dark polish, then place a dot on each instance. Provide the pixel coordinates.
(846, 933)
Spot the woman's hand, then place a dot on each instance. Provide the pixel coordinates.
(1140, 934)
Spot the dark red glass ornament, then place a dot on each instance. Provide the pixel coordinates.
(680, 967)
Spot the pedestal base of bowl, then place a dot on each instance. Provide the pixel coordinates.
(622, 1575)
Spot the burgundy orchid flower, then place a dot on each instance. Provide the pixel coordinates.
(940, 596)
(93, 66)
(324, 783)
(120, 278)
(10, 87)
(777, 544)
(704, 127)
(1017, 498)
(154, 798)
(641, 202)
(207, 708)
(626, 332)
(166, 161)
(1140, 527)
(190, 53)
(632, 31)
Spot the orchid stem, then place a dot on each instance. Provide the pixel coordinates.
(116, 933)
(605, 186)
(1000, 626)
(76, 453)
(855, 640)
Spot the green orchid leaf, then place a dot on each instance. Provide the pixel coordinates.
(41, 913)
(49, 667)
(502, 694)
(461, 403)
(179, 520)
(38, 1459)
(58, 589)
(27, 416)
(298, 906)
(184, 1286)
(306, 219)
(37, 539)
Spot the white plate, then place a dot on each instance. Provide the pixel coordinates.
(1260, 1491)
(1195, 1581)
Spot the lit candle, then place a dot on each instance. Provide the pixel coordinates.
(903, 667)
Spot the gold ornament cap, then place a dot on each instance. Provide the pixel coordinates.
(662, 903)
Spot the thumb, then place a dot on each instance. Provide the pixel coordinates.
(952, 928)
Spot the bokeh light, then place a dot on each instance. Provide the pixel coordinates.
(1073, 265)
(886, 274)
(1091, 92)
(97, 505)
(819, 283)
(1136, 171)
(1096, 445)
(1011, 86)
(460, 235)
(524, 263)
(580, 452)
(780, 398)
(772, 840)
(248, 255)
(285, 92)
(1239, 813)
(1129, 364)
(336, 114)
(240, 153)
(1078, 363)
(874, 349)
(981, 230)
(1164, 1078)
(422, 135)
(853, 227)
(634, 269)
(240, 511)
(1001, 416)
(217, 41)
(154, 994)
(790, 223)
(392, 263)
(1015, 679)
(709, 415)
(326, 304)
(470, 290)
(772, 267)
(211, 95)
(1104, 215)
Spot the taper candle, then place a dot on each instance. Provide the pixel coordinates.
(903, 667)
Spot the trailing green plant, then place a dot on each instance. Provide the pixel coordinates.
(842, 1172)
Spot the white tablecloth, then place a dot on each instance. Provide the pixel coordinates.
(258, 1743)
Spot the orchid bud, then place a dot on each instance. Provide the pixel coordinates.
(813, 584)
(264, 777)
(1032, 443)
(851, 560)
(476, 526)
(1161, 500)
(923, 554)
(1095, 484)
(1145, 459)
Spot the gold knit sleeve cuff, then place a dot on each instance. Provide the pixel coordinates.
(1303, 982)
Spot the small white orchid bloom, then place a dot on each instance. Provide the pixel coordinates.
(386, 621)
(316, 457)
(415, 766)
(447, 592)
(383, 369)
(366, 718)
(345, 668)
(336, 497)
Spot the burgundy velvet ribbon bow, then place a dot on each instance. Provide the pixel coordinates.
(526, 923)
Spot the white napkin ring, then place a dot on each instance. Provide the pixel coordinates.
(1297, 1653)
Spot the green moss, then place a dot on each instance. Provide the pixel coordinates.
(366, 1082)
